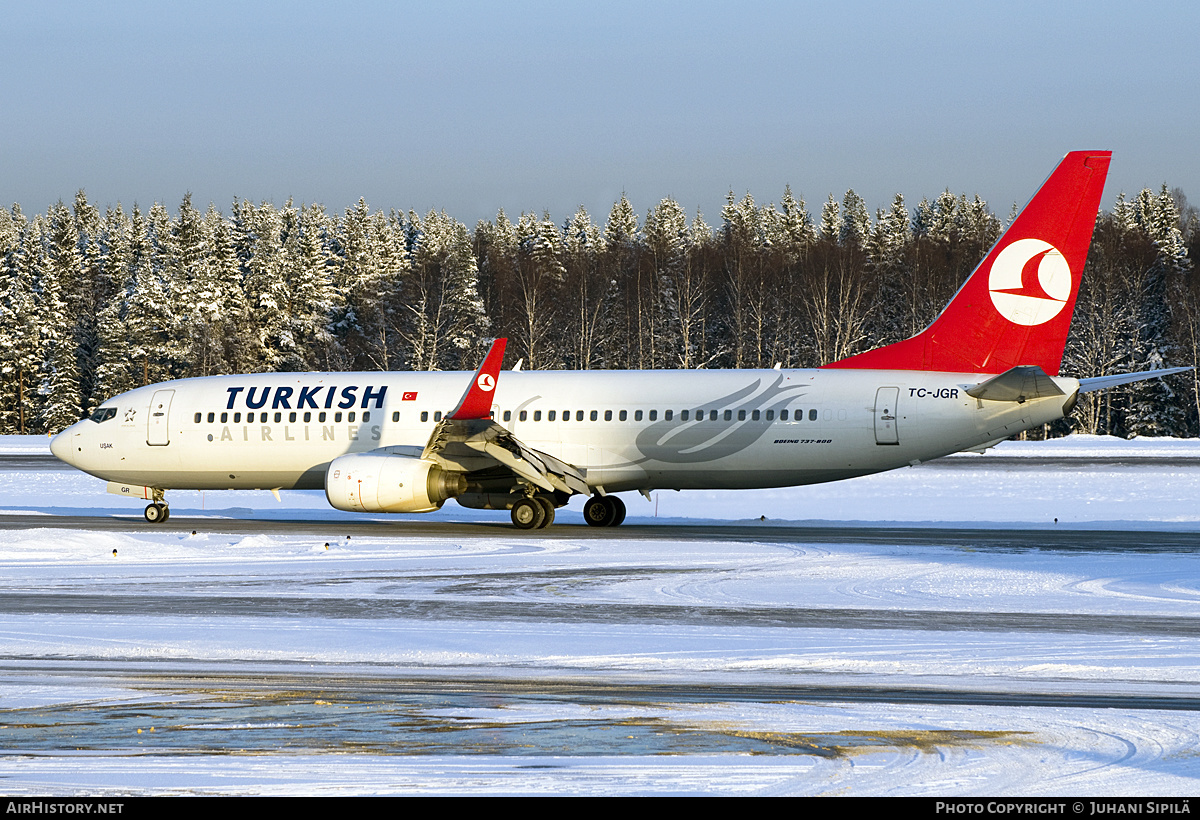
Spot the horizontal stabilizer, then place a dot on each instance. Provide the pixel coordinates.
(1103, 382)
(1017, 384)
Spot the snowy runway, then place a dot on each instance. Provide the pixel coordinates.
(477, 659)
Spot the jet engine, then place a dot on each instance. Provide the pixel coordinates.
(387, 482)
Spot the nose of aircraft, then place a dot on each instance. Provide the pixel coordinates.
(60, 445)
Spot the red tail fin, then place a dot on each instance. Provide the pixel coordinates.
(1015, 309)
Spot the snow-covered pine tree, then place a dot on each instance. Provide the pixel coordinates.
(114, 369)
(856, 222)
(831, 220)
(20, 343)
(623, 321)
(665, 233)
(585, 292)
(1158, 406)
(147, 314)
(60, 275)
(539, 278)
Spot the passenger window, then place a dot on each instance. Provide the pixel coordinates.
(224, 418)
(198, 417)
(594, 415)
(653, 415)
(637, 415)
(812, 414)
(551, 415)
(437, 415)
(770, 415)
(237, 417)
(728, 415)
(424, 416)
(212, 417)
(508, 415)
(307, 418)
(366, 416)
(395, 415)
(755, 415)
(741, 415)
(578, 415)
(279, 417)
(292, 418)
(623, 415)
(524, 415)
(608, 415)
(537, 415)
(783, 415)
(668, 414)
(712, 415)
(683, 415)
(321, 416)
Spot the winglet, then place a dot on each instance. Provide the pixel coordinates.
(476, 403)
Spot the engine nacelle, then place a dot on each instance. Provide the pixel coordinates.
(387, 482)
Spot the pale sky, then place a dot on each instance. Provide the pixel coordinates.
(473, 106)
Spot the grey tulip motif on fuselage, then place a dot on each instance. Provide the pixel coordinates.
(688, 442)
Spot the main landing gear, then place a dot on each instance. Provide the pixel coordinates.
(604, 511)
(533, 513)
(157, 510)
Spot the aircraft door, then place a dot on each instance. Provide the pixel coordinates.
(157, 432)
(886, 415)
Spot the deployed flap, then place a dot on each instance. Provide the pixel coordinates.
(1017, 384)
(474, 444)
(1101, 382)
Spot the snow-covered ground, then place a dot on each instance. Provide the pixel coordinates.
(731, 665)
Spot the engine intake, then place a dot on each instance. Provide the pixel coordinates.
(387, 482)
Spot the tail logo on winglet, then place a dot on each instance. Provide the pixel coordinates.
(486, 382)
(1030, 282)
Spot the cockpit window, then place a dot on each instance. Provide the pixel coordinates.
(103, 414)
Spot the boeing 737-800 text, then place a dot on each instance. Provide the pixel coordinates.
(406, 442)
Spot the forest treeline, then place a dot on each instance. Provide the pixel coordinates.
(94, 303)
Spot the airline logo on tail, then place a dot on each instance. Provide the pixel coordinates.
(1030, 282)
(1015, 309)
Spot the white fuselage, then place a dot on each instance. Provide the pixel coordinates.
(625, 430)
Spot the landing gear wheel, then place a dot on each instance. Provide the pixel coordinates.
(528, 514)
(618, 510)
(157, 513)
(548, 508)
(596, 512)
(604, 511)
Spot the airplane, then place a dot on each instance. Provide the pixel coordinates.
(384, 442)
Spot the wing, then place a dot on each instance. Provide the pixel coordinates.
(469, 440)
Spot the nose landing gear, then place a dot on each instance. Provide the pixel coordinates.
(157, 510)
(157, 513)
